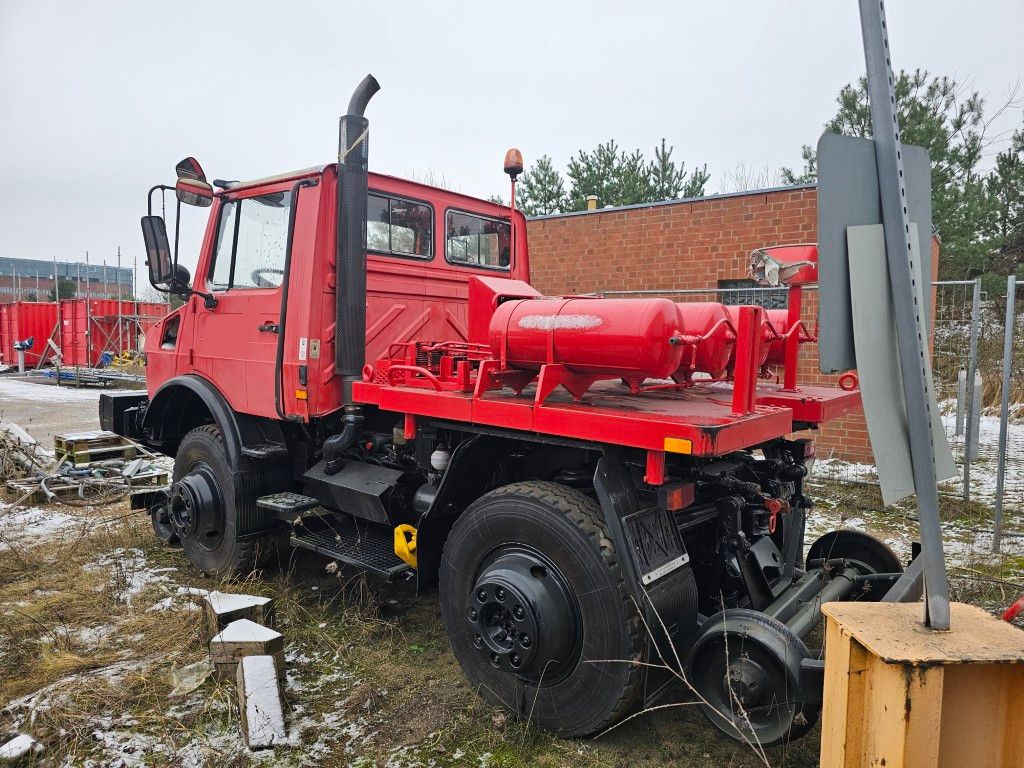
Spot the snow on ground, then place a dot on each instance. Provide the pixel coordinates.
(41, 392)
(130, 573)
(25, 527)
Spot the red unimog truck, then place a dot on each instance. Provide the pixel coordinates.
(595, 486)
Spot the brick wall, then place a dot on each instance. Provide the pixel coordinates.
(688, 244)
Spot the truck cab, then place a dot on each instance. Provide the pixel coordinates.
(422, 246)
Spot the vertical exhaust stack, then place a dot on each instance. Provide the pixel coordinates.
(350, 256)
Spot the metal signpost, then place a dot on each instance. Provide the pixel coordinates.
(907, 311)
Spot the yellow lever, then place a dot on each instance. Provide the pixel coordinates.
(405, 543)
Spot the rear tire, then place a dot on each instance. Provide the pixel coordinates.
(207, 526)
(537, 611)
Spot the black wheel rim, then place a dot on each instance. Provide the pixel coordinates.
(196, 509)
(523, 616)
(747, 686)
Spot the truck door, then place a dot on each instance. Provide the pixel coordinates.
(236, 341)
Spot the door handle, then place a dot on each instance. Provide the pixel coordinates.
(268, 328)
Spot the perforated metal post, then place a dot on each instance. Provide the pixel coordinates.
(1004, 409)
(970, 391)
(908, 309)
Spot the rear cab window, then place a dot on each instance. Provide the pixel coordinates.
(399, 227)
(477, 241)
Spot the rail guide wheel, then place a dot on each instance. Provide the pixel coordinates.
(861, 550)
(745, 666)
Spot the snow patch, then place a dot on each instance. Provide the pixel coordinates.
(29, 527)
(22, 389)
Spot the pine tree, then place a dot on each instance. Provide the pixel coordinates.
(669, 182)
(541, 190)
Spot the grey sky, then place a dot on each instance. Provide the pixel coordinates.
(98, 101)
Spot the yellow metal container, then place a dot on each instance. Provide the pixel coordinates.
(901, 696)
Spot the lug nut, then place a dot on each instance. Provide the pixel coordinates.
(478, 641)
(473, 614)
(499, 593)
(495, 659)
(524, 640)
(516, 661)
(518, 612)
(481, 595)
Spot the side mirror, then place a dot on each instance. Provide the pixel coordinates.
(189, 168)
(158, 250)
(194, 192)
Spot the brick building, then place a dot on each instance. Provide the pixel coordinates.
(700, 243)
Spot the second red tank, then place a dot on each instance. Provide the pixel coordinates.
(631, 338)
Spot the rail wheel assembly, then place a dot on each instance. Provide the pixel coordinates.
(745, 666)
(542, 621)
(864, 552)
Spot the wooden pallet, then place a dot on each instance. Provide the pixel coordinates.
(83, 449)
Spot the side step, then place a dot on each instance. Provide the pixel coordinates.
(364, 546)
(287, 506)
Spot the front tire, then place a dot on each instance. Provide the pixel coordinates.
(537, 611)
(203, 509)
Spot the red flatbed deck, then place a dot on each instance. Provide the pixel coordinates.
(658, 420)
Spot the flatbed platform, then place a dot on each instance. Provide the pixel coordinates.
(696, 420)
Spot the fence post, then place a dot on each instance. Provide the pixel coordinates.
(1004, 409)
(972, 368)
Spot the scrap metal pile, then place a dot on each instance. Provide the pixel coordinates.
(86, 468)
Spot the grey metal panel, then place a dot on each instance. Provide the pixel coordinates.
(359, 489)
(848, 196)
(881, 384)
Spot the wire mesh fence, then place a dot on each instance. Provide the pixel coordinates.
(971, 357)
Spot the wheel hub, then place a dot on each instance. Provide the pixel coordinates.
(523, 617)
(196, 507)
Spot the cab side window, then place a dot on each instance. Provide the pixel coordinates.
(477, 241)
(399, 227)
(252, 236)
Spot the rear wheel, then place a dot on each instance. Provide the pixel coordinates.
(202, 508)
(537, 611)
(746, 667)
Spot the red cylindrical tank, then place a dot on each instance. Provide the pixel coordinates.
(631, 338)
(767, 333)
(708, 338)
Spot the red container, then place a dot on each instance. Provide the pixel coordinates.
(708, 338)
(92, 327)
(632, 338)
(21, 319)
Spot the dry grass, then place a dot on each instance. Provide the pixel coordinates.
(371, 678)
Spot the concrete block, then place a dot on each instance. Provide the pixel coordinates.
(243, 638)
(259, 702)
(222, 608)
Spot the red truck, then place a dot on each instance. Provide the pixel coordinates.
(602, 490)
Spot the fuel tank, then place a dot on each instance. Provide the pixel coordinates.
(631, 338)
(708, 338)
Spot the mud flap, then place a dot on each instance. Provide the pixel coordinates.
(657, 570)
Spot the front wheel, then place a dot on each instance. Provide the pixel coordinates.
(537, 611)
(202, 508)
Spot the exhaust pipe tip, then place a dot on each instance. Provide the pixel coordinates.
(361, 95)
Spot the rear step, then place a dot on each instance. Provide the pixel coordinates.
(364, 546)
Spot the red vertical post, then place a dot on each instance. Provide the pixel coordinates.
(744, 376)
(792, 338)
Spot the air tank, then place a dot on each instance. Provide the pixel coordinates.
(631, 338)
(708, 338)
